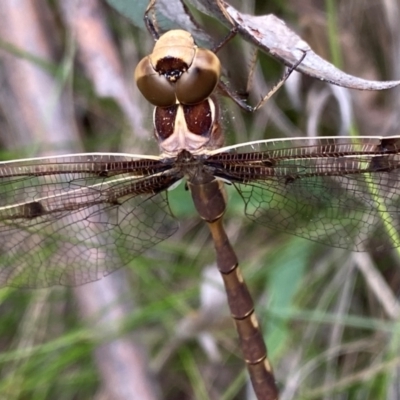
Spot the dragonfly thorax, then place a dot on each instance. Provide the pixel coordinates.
(187, 127)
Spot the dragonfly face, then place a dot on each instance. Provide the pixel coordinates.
(181, 73)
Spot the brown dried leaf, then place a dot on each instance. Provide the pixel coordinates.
(271, 35)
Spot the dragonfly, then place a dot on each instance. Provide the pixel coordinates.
(72, 219)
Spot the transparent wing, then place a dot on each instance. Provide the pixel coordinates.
(336, 211)
(72, 227)
(342, 192)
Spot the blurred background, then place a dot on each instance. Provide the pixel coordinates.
(159, 328)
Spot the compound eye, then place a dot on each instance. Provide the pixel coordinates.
(201, 78)
(154, 87)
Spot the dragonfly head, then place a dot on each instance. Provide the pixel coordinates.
(177, 71)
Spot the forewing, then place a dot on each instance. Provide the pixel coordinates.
(343, 192)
